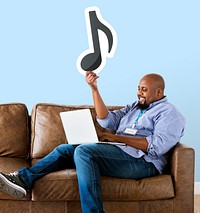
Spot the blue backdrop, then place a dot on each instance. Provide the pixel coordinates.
(40, 41)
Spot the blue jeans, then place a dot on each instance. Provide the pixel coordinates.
(91, 161)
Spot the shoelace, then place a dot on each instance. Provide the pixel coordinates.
(13, 174)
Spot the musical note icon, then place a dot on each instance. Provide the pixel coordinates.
(102, 40)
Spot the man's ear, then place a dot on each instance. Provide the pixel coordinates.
(159, 92)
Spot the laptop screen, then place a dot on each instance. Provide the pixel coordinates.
(79, 126)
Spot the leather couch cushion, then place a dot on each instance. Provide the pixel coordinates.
(63, 186)
(7, 165)
(14, 140)
(47, 129)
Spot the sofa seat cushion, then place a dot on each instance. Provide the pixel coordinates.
(56, 186)
(154, 188)
(7, 165)
(63, 186)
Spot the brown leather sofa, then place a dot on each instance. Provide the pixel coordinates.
(24, 139)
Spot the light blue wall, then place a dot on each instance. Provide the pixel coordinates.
(40, 41)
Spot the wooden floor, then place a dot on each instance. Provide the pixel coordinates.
(197, 204)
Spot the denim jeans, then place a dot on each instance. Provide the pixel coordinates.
(91, 161)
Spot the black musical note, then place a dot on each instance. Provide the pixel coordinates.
(93, 59)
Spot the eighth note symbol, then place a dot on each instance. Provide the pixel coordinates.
(102, 40)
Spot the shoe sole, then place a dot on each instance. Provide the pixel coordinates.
(11, 188)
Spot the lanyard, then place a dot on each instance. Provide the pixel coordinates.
(139, 115)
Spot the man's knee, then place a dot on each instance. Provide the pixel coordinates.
(60, 147)
(65, 149)
(82, 151)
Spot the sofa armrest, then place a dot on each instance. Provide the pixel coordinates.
(182, 171)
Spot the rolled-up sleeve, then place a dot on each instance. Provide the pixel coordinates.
(106, 122)
(113, 118)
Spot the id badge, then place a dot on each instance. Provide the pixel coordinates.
(130, 131)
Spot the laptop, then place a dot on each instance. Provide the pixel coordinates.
(79, 127)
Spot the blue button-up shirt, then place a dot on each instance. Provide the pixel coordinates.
(161, 124)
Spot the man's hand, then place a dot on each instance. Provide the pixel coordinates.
(105, 136)
(91, 79)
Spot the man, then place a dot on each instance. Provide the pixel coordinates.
(149, 127)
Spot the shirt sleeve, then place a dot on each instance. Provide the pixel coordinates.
(169, 128)
(114, 117)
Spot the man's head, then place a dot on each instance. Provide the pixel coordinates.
(150, 89)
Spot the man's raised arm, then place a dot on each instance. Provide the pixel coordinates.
(100, 107)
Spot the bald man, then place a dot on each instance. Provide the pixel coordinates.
(145, 130)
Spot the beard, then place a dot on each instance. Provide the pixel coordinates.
(142, 106)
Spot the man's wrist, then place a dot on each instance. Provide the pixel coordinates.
(94, 89)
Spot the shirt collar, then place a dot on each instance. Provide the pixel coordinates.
(164, 99)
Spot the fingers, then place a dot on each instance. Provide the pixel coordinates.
(89, 73)
(91, 77)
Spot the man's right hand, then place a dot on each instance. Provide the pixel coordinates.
(91, 79)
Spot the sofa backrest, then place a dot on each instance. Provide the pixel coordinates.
(47, 129)
(14, 130)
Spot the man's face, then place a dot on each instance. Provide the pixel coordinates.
(147, 93)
